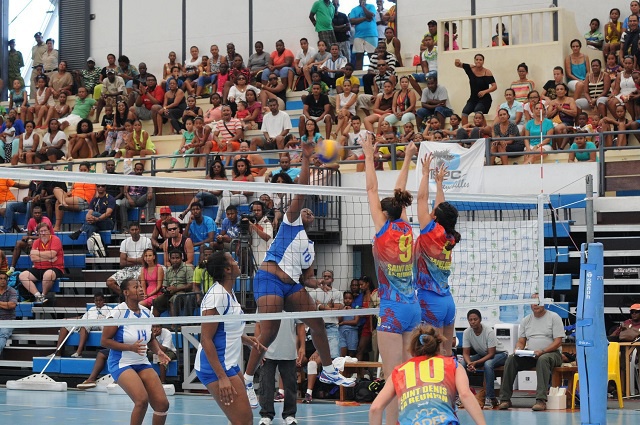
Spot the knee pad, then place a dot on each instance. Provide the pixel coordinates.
(161, 413)
(312, 368)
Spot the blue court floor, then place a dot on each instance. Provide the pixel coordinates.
(77, 407)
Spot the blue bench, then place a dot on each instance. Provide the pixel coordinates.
(81, 366)
(18, 219)
(550, 254)
(563, 282)
(24, 310)
(9, 240)
(96, 336)
(74, 261)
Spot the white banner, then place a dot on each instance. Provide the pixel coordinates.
(465, 166)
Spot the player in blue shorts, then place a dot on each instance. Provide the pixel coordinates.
(432, 268)
(279, 285)
(128, 362)
(216, 363)
(392, 253)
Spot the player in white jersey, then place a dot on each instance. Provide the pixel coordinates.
(128, 363)
(277, 287)
(220, 347)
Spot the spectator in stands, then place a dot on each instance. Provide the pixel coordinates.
(210, 75)
(138, 143)
(88, 78)
(348, 75)
(537, 127)
(83, 144)
(428, 63)
(523, 85)
(580, 142)
(489, 353)
(19, 98)
(160, 231)
(275, 126)
(532, 100)
(98, 311)
(254, 118)
(36, 59)
(348, 328)
(83, 109)
(566, 109)
(202, 280)
(345, 108)
(363, 20)
(7, 198)
(354, 138)
(190, 70)
(177, 279)
(261, 231)
(241, 173)
(214, 114)
(612, 33)
(151, 94)
(285, 167)
(393, 44)
(209, 197)
(576, 65)
(50, 58)
(230, 228)
(481, 84)
(503, 128)
(321, 16)
(128, 72)
(8, 303)
(342, 30)
(622, 87)
(618, 123)
(138, 197)
(258, 167)
(75, 200)
(7, 139)
(403, 107)
(593, 93)
(594, 38)
(228, 132)
(380, 54)
(113, 89)
(98, 366)
(284, 353)
(111, 64)
(382, 106)
(304, 56)
(474, 130)
(541, 332)
(99, 216)
(634, 7)
(59, 109)
(48, 263)
(629, 326)
(434, 102)
(333, 67)
(202, 230)
(280, 63)
(25, 243)
(60, 81)
(131, 258)
(514, 107)
(41, 103)
(237, 68)
(273, 89)
(318, 60)
(173, 106)
(167, 69)
(280, 201)
(165, 340)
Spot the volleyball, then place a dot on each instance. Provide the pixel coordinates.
(328, 151)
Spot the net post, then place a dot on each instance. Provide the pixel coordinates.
(589, 208)
(541, 202)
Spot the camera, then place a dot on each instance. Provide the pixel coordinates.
(245, 220)
(165, 291)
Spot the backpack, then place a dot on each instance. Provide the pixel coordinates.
(95, 245)
(366, 390)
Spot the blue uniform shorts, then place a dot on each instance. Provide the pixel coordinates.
(265, 283)
(207, 378)
(398, 317)
(136, 367)
(437, 310)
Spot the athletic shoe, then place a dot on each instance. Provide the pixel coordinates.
(251, 394)
(75, 235)
(290, 420)
(279, 397)
(336, 379)
(505, 405)
(458, 402)
(539, 406)
(11, 271)
(307, 398)
(487, 404)
(76, 356)
(40, 299)
(265, 421)
(2, 230)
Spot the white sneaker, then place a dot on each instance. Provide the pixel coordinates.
(76, 356)
(41, 299)
(336, 378)
(265, 421)
(251, 394)
(290, 420)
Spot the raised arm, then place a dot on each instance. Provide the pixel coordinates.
(298, 200)
(377, 215)
(424, 216)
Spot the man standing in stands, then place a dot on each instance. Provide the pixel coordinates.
(363, 18)
(342, 28)
(36, 57)
(8, 303)
(131, 251)
(541, 332)
(48, 263)
(321, 16)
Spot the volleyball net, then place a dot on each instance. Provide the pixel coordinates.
(496, 267)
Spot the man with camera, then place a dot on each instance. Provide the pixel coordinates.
(230, 228)
(178, 279)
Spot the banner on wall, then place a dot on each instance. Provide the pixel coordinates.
(465, 166)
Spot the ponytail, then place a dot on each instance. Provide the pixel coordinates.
(426, 341)
(394, 205)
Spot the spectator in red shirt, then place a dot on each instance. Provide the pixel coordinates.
(150, 95)
(48, 263)
(25, 243)
(280, 63)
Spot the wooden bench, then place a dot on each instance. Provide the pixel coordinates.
(358, 366)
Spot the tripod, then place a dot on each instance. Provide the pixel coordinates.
(246, 262)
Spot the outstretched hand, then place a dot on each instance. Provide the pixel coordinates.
(426, 164)
(367, 145)
(410, 150)
(308, 149)
(440, 173)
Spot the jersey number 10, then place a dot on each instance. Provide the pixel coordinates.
(430, 371)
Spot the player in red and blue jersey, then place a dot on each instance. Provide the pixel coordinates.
(425, 387)
(433, 255)
(393, 256)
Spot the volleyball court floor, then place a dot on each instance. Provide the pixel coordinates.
(78, 407)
